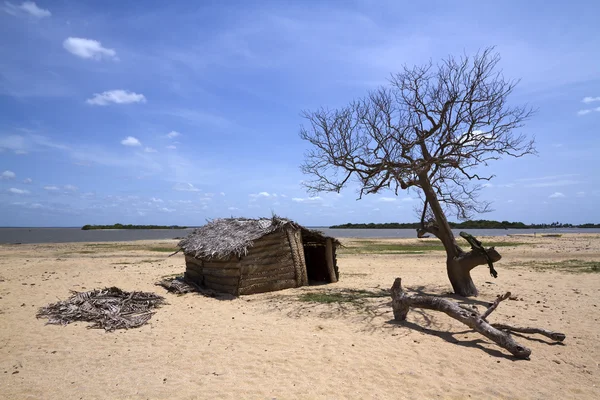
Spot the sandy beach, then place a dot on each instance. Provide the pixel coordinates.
(276, 346)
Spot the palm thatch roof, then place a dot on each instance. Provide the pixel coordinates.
(223, 237)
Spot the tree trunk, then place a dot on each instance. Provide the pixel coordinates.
(458, 263)
(460, 278)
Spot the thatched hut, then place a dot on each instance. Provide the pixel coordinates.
(245, 256)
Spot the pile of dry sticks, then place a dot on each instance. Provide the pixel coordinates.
(109, 308)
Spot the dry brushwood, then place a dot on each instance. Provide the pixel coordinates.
(109, 308)
(178, 285)
(498, 333)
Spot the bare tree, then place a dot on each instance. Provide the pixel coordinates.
(428, 131)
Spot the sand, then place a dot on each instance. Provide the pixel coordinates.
(272, 345)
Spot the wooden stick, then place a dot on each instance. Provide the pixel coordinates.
(493, 306)
(556, 336)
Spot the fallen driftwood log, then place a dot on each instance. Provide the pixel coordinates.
(109, 308)
(498, 333)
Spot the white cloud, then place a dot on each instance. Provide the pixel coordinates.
(580, 194)
(6, 175)
(556, 195)
(185, 187)
(149, 150)
(130, 141)
(222, 193)
(562, 182)
(589, 99)
(387, 199)
(262, 194)
(173, 134)
(171, 147)
(169, 210)
(487, 185)
(306, 199)
(23, 144)
(27, 7)
(587, 111)
(156, 200)
(510, 201)
(70, 188)
(27, 180)
(232, 208)
(117, 97)
(548, 177)
(88, 48)
(51, 188)
(18, 191)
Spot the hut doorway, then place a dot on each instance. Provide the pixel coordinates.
(319, 260)
(316, 264)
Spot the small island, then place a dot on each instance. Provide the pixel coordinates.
(129, 226)
(478, 224)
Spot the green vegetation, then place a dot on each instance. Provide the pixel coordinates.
(346, 296)
(572, 266)
(376, 247)
(162, 249)
(128, 247)
(478, 224)
(121, 226)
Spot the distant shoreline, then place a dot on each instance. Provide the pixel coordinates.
(479, 224)
(125, 227)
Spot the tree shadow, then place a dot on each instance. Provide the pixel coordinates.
(450, 338)
(465, 301)
(549, 342)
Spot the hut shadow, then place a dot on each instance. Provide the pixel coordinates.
(450, 338)
(180, 286)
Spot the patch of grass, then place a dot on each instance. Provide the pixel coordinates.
(85, 252)
(105, 245)
(572, 266)
(420, 247)
(345, 296)
(126, 247)
(552, 235)
(161, 249)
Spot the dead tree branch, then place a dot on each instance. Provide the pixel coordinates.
(498, 333)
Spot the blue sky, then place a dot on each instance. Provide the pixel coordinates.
(182, 111)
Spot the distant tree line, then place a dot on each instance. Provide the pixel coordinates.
(129, 226)
(477, 224)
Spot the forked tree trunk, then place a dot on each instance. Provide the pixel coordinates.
(458, 262)
(460, 278)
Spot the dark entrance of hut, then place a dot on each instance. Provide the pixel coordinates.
(316, 258)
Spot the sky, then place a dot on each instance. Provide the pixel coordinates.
(179, 112)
